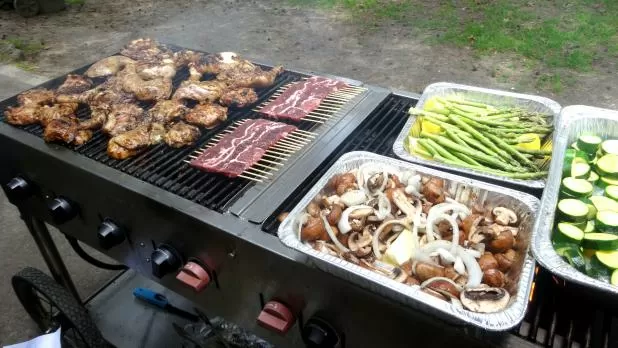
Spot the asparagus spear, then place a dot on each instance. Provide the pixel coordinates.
(511, 150)
(531, 175)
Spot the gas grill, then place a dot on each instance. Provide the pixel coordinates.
(161, 213)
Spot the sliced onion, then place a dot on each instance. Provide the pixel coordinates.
(344, 222)
(375, 243)
(471, 266)
(475, 253)
(446, 255)
(354, 197)
(459, 266)
(416, 224)
(332, 236)
(384, 206)
(439, 209)
(301, 221)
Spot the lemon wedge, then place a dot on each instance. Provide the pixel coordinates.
(433, 105)
(535, 144)
(430, 127)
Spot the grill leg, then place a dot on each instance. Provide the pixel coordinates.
(48, 249)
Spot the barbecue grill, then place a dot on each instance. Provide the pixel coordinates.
(163, 213)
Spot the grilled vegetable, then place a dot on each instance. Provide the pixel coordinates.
(600, 241)
(589, 143)
(607, 221)
(571, 254)
(568, 233)
(572, 210)
(607, 166)
(577, 188)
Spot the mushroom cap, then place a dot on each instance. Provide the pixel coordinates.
(504, 216)
(485, 300)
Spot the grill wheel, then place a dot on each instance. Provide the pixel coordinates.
(51, 306)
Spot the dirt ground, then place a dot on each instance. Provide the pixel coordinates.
(272, 31)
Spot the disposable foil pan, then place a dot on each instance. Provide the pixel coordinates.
(525, 205)
(483, 95)
(575, 120)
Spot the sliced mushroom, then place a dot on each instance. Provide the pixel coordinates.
(443, 284)
(504, 216)
(401, 201)
(412, 281)
(506, 260)
(433, 190)
(313, 209)
(400, 275)
(502, 242)
(334, 215)
(488, 261)
(350, 257)
(434, 294)
(424, 271)
(361, 213)
(353, 197)
(325, 247)
(485, 300)
(359, 244)
(313, 230)
(282, 216)
(345, 187)
(375, 182)
(494, 278)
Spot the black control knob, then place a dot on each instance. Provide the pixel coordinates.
(110, 234)
(61, 210)
(165, 259)
(318, 333)
(18, 189)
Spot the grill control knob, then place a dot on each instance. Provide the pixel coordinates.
(18, 189)
(165, 259)
(61, 210)
(276, 317)
(318, 333)
(110, 234)
(194, 275)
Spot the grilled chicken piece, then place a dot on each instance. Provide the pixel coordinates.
(165, 111)
(239, 97)
(22, 115)
(98, 116)
(123, 118)
(217, 63)
(37, 96)
(82, 136)
(149, 90)
(200, 91)
(61, 130)
(108, 66)
(57, 111)
(181, 134)
(257, 78)
(146, 50)
(150, 70)
(184, 57)
(74, 84)
(133, 142)
(207, 115)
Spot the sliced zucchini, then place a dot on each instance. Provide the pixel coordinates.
(580, 169)
(604, 203)
(589, 143)
(572, 210)
(577, 188)
(611, 191)
(608, 258)
(589, 226)
(597, 269)
(614, 278)
(574, 146)
(593, 177)
(609, 146)
(600, 241)
(607, 221)
(573, 256)
(604, 182)
(572, 157)
(568, 233)
(607, 166)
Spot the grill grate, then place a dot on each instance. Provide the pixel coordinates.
(163, 166)
(559, 314)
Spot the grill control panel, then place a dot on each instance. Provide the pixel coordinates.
(62, 209)
(18, 189)
(165, 259)
(110, 234)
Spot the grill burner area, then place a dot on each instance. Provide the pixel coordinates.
(559, 314)
(163, 166)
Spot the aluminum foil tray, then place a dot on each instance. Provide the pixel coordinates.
(574, 121)
(483, 95)
(525, 205)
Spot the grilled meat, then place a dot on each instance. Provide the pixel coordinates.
(239, 97)
(149, 90)
(57, 111)
(255, 78)
(74, 84)
(61, 130)
(146, 50)
(200, 91)
(135, 141)
(216, 64)
(22, 115)
(207, 115)
(150, 70)
(165, 111)
(108, 66)
(82, 136)
(181, 134)
(98, 116)
(184, 57)
(37, 96)
(123, 118)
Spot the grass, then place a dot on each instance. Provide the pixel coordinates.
(573, 34)
(74, 2)
(30, 50)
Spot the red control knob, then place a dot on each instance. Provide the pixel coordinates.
(194, 275)
(277, 317)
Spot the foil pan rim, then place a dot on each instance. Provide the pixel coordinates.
(430, 90)
(499, 321)
(542, 247)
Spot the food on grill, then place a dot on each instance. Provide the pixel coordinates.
(108, 66)
(166, 111)
(497, 140)
(82, 136)
(254, 78)
(301, 98)
(586, 225)
(207, 115)
(61, 129)
(181, 134)
(150, 70)
(146, 49)
(48, 113)
(200, 91)
(36, 96)
(185, 57)
(239, 97)
(22, 115)
(133, 142)
(242, 148)
(216, 63)
(123, 118)
(74, 84)
(145, 90)
(406, 226)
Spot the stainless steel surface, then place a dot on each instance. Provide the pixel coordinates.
(50, 254)
(484, 95)
(526, 207)
(574, 121)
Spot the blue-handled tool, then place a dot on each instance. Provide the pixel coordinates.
(162, 302)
